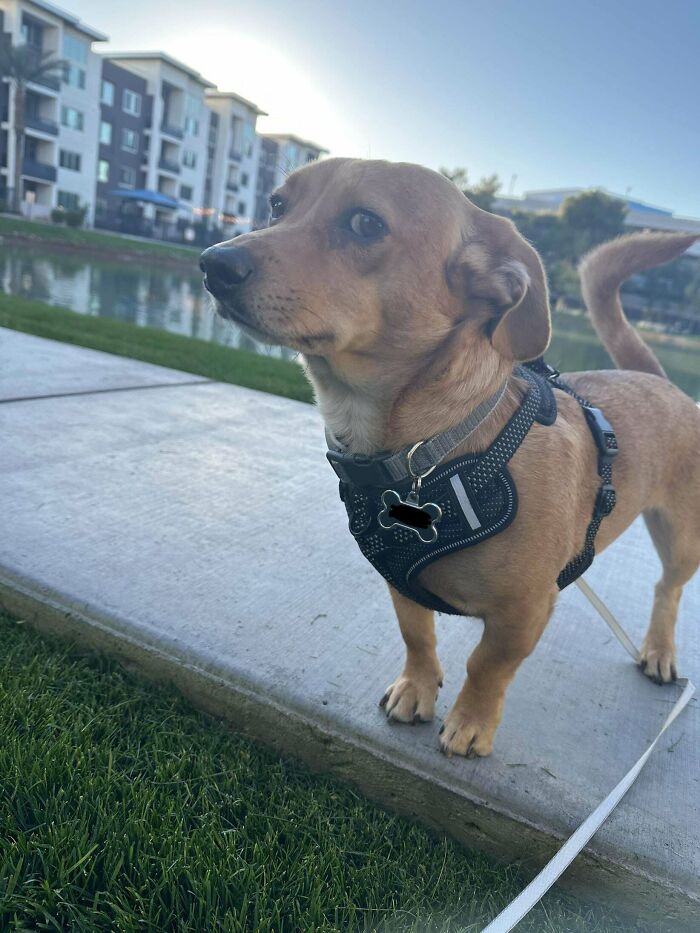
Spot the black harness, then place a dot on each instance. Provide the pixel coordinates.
(402, 526)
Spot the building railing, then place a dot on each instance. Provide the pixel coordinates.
(232, 186)
(38, 170)
(34, 122)
(170, 130)
(167, 165)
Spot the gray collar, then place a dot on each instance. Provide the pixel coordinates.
(410, 462)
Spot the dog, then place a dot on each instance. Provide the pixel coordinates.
(410, 306)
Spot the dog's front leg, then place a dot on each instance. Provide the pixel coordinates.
(411, 698)
(510, 634)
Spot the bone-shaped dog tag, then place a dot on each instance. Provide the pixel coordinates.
(408, 513)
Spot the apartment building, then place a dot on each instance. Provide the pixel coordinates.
(280, 154)
(175, 157)
(232, 162)
(61, 114)
(124, 134)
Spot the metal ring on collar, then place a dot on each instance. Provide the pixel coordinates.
(410, 467)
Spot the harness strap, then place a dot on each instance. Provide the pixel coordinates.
(510, 438)
(606, 442)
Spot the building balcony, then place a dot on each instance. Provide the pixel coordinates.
(167, 165)
(41, 124)
(51, 80)
(232, 186)
(235, 155)
(174, 131)
(39, 170)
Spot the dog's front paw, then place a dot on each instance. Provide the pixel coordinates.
(658, 661)
(468, 732)
(412, 697)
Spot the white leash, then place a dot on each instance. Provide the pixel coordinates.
(539, 886)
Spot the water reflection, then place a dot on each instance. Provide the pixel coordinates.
(138, 292)
(174, 300)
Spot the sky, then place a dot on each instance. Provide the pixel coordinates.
(544, 93)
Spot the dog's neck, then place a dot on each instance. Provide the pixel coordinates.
(379, 417)
(355, 416)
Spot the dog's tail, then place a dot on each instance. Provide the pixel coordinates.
(602, 273)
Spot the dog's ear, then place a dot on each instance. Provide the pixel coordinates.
(500, 268)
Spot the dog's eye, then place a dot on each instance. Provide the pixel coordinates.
(366, 225)
(277, 206)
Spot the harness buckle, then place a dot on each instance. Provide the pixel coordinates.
(605, 501)
(358, 469)
(602, 432)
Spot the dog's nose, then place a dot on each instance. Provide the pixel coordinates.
(226, 267)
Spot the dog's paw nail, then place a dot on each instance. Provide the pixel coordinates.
(383, 700)
(442, 729)
(674, 673)
(643, 664)
(439, 683)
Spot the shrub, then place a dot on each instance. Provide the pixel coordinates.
(76, 218)
(58, 215)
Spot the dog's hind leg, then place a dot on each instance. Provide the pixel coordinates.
(510, 634)
(411, 698)
(675, 531)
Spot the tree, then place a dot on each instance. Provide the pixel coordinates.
(483, 194)
(22, 64)
(592, 217)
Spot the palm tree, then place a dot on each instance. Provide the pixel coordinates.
(22, 64)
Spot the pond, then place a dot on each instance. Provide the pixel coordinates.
(173, 299)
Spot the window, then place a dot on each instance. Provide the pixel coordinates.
(72, 118)
(69, 160)
(107, 94)
(242, 207)
(189, 158)
(73, 75)
(103, 170)
(186, 192)
(193, 112)
(32, 33)
(244, 179)
(248, 139)
(68, 201)
(127, 177)
(75, 49)
(131, 102)
(130, 140)
(292, 155)
(105, 133)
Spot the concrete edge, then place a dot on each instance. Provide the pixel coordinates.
(393, 784)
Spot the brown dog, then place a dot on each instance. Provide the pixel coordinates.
(411, 306)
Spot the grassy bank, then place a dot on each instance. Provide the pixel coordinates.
(280, 377)
(123, 809)
(17, 228)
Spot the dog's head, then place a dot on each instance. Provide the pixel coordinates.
(365, 262)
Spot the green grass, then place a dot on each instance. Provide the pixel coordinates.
(58, 233)
(122, 809)
(225, 364)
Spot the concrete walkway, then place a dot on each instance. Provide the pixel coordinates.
(195, 531)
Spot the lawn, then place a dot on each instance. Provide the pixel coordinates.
(122, 809)
(224, 364)
(94, 240)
